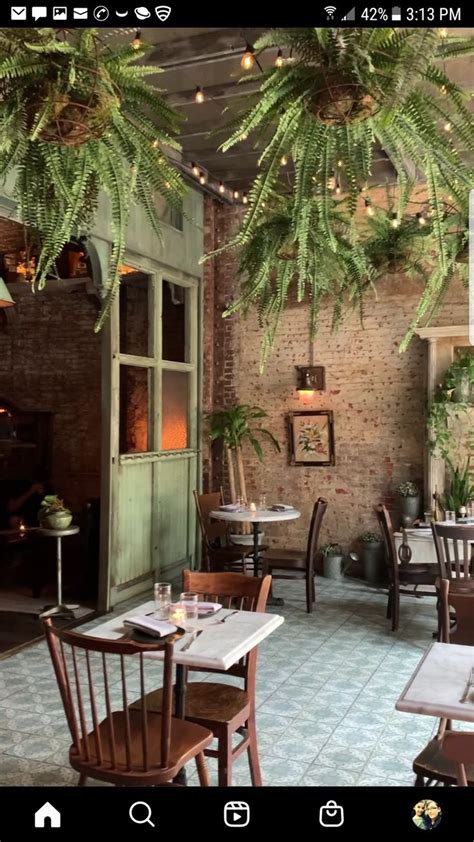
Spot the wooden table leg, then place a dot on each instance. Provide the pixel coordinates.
(179, 710)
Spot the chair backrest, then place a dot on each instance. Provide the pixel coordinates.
(458, 746)
(233, 590)
(453, 549)
(105, 733)
(210, 530)
(385, 523)
(319, 510)
(463, 604)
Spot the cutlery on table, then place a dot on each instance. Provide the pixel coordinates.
(193, 637)
(223, 619)
(469, 687)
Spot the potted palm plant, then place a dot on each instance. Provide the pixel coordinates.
(233, 427)
(461, 490)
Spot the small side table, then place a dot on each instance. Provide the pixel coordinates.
(59, 534)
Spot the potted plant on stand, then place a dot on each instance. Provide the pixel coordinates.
(371, 551)
(54, 514)
(333, 557)
(409, 497)
(233, 427)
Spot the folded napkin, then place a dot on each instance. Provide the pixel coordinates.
(230, 507)
(155, 628)
(281, 507)
(205, 608)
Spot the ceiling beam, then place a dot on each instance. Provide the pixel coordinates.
(202, 48)
(214, 93)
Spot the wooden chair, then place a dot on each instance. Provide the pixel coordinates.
(217, 553)
(449, 756)
(298, 564)
(125, 747)
(407, 573)
(223, 708)
(463, 604)
(454, 552)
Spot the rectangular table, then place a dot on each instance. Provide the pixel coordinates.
(439, 682)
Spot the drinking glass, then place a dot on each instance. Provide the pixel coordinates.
(470, 510)
(162, 593)
(262, 502)
(450, 517)
(190, 601)
(427, 516)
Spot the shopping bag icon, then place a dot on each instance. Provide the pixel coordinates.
(331, 815)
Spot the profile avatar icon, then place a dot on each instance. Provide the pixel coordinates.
(426, 814)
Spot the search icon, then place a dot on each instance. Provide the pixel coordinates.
(147, 819)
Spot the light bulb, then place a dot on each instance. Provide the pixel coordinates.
(221, 187)
(331, 182)
(236, 194)
(283, 160)
(447, 126)
(421, 219)
(444, 90)
(279, 61)
(155, 144)
(338, 188)
(244, 136)
(244, 198)
(195, 169)
(369, 208)
(340, 163)
(202, 178)
(394, 222)
(443, 32)
(199, 95)
(137, 41)
(248, 59)
(167, 185)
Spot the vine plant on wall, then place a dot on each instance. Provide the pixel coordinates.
(454, 396)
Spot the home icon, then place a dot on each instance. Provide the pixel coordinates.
(47, 816)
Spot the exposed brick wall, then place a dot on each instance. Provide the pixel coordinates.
(50, 361)
(377, 396)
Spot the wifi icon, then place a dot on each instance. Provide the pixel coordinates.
(163, 12)
(330, 11)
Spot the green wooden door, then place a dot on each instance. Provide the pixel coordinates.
(154, 344)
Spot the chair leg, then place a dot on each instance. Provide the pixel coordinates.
(203, 771)
(309, 596)
(82, 779)
(419, 780)
(254, 762)
(313, 589)
(389, 604)
(396, 611)
(224, 760)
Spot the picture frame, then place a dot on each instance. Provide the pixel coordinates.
(311, 438)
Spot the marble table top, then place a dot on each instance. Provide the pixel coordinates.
(259, 516)
(439, 682)
(219, 646)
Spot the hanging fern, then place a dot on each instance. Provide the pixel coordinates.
(344, 93)
(77, 117)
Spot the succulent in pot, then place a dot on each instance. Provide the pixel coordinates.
(371, 551)
(53, 514)
(409, 499)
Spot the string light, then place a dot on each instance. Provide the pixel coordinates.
(443, 32)
(195, 169)
(394, 220)
(199, 95)
(283, 160)
(279, 61)
(248, 59)
(444, 90)
(244, 199)
(331, 182)
(202, 178)
(369, 208)
(338, 188)
(421, 219)
(447, 126)
(340, 163)
(137, 41)
(244, 136)
(221, 187)
(236, 194)
(155, 144)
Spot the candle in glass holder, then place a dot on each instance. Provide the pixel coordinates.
(177, 614)
(253, 507)
(22, 529)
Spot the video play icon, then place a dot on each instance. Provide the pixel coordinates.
(236, 814)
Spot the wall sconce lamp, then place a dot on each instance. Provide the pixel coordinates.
(311, 378)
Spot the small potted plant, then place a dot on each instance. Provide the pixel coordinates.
(371, 551)
(409, 496)
(53, 513)
(333, 557)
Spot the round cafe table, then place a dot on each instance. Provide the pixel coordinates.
(256, 518)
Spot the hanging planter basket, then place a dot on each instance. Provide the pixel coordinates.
(75, 117)
(463, 255)
(341, 101)
(289, 251)
(391, 263)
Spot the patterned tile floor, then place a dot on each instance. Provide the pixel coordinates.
(327, 684)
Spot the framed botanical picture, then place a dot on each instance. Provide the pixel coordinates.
(312, 438)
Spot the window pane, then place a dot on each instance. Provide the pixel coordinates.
(175, 415)
(173, 323)
(134, 432)
(134, 313)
